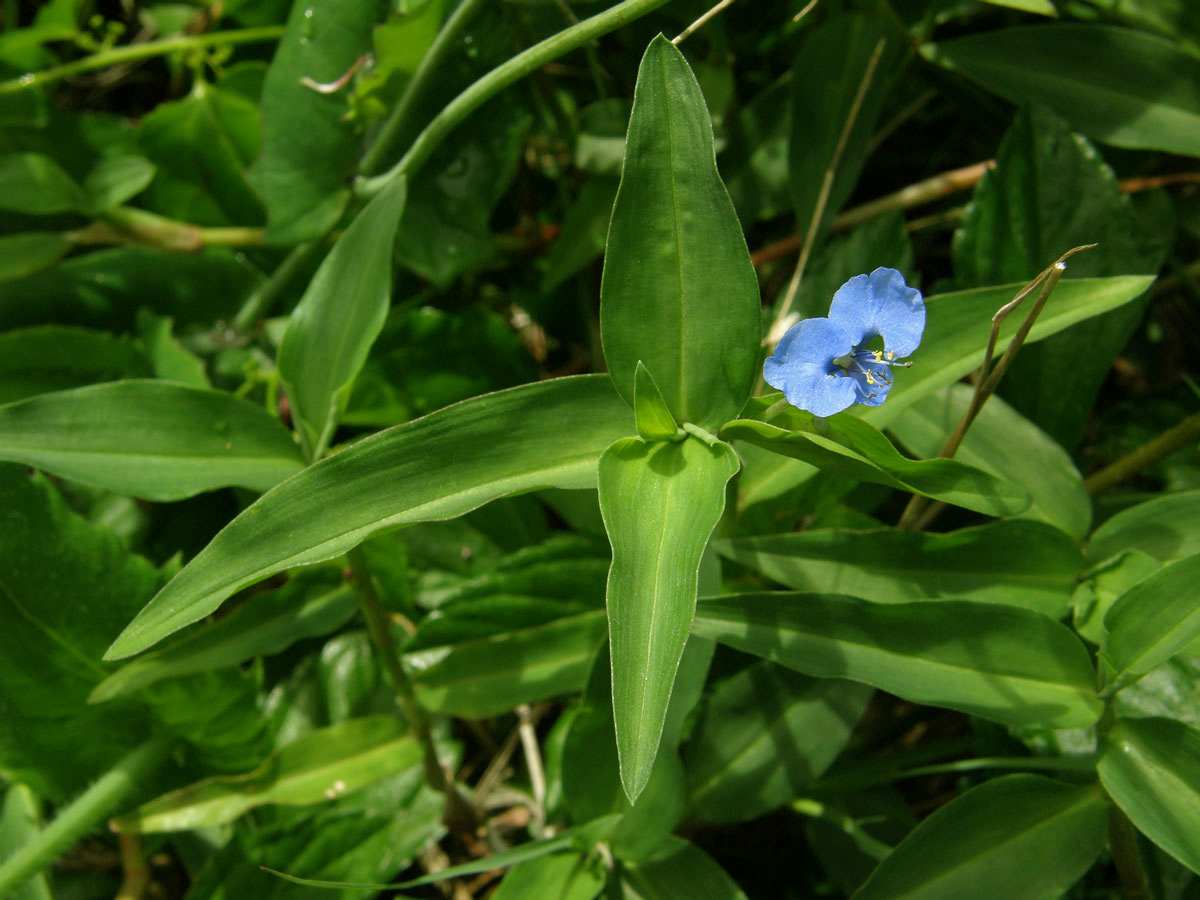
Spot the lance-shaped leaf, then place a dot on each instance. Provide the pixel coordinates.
(1013, 838)
(1017, 563)
(660, 503)
(679, 291)
(1165, 527)
(846, 445)
(152, 439)
(1151, 768)
(653, 417)
(307, 607)
(1153, 620)
(549, 434)
(332, 328)
(999, 662)
(321, 766)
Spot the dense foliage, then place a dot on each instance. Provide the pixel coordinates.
(392, 495)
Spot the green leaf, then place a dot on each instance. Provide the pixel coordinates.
(34, 183)
(650, 410)
(1006, 444)
(202, 145)
(563, 876)
(957, 327)
(56, 566)
(321, 766)
(152, 439)
(998, 662)
(1040, 7)
(1151, 768)
(1013, 838)
(1015, 563)
(1120, 86)
(1051, 191)
(24, 254)
(306, 607)
(546, 434)
(117, 179)
(341, 313)
(308, 146)
(52, 358)
(660, 503)
(584, 229)
(766, 734)
(839, 82)
(491, 675)
(849, 446)
(678, 869)
(679, 292)
(171, 361)
(1165, 527)
(1152, 621)
(1171, 691)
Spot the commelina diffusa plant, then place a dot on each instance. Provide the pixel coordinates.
(656, 631)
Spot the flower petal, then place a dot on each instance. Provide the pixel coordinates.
(880, 304)
(803, 369)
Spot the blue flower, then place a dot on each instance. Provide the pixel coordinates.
(824, 366)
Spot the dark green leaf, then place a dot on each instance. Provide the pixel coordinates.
(546, 434)
(341, 313)
(678, 869)
(1166, 527)
(24, 254)
(1151, 768)
(1051, 191)
(1014, 838)
(1117, 85)
(40, 360)
(848, 446)
(584, 230)
(679, 292)
(151, 439)
(322, 766)
(660, 503)
(117, 179)
(1153, 620)
(998, 662)
(308, 145)
(766, 734)
(309, 606)
(563, 876)
(56, 568)
(170, 360)
(34, 183)
(1016, 563)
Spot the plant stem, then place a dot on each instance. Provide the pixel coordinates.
(1185, 433)
(699, 23)
(1123, 842)
(133, 52)
(264, 297)
(401, 115)
(127, 225)
(498, 79)
(91, 808)
(457, 815)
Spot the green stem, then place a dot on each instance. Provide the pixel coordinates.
(1182, 435)
(81, 816)
(457, 815)
(1123, 841)
(401, 115)
(134, 52)
(498, 79)
(260, 303)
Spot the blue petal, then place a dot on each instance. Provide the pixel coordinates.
(880, 304)
(803, 369)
